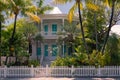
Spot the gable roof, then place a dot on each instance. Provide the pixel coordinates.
(55, 10)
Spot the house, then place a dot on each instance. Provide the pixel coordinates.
(51, 23)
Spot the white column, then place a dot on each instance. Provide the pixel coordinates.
(63, 21)
(63, 49)
(41, 26)
(42, 53)
(33, 56)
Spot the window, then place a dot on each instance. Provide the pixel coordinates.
(70, 51)
(54, 50)
(54, 28)
(46, 50)
(46, 29)
(38, 51)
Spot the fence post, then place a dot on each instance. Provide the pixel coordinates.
(46, 70)
(32, 71)
(98, 71)
(5, 72)
(72, 71)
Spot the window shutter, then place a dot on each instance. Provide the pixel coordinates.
(46, 50)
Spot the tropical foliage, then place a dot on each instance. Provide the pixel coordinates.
(14, 9)
(94, 34)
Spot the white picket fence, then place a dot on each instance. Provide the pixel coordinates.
(83, 71)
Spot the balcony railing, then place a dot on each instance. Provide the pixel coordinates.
(49, 35)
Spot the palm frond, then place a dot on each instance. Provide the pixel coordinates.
(32, 8)
(43, 9)
(33, 17)
(71, 13)
(61, 1)
(92, 6)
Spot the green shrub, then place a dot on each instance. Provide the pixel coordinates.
(35, 63)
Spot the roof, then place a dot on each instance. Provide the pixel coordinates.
(55, 10)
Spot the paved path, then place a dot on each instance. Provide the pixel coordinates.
(51, 78)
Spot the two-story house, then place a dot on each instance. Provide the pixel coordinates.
(50, 24)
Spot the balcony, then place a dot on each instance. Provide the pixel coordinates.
(49, 35)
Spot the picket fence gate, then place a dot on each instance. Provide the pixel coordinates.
(62, 71)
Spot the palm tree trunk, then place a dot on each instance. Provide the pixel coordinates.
(12, 39)
(82, 30)
(109, 27)
(14, 29)
(0, 41)
(30, 48)
(14, 26)
(6, 60)
(95, 27)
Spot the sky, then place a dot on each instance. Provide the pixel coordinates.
(64, 8)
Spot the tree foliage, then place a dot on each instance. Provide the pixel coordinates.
(95, 15)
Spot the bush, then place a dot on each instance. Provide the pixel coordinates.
(67, 61)
(35, 63)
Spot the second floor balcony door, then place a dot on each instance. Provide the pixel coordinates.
(54, 29)
(46, 29)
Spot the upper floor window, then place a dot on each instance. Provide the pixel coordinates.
(46, 29)
(54, 29)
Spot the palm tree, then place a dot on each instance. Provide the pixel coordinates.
(3, 7)
(71, 13)
(70, 31)
(29, 30)
(95, 8)
(95, 28)
(16, 7)
(82, 29)
(24, 7)
(112, 2)
(38, 37)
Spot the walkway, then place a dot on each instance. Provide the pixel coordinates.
(50, 78)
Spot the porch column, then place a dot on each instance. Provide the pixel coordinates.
(41, 26)
(63, 21)
(42, 53)
(63, 44)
